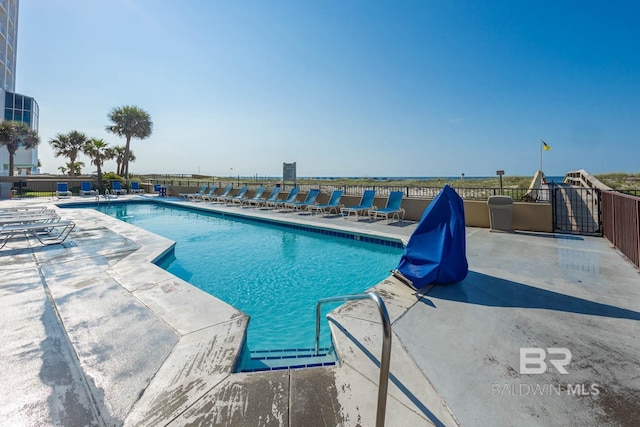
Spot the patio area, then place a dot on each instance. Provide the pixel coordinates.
(94, 334)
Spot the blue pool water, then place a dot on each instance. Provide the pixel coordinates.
(274, 274)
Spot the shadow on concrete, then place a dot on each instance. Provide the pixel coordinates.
(376, 361)
(490, 291)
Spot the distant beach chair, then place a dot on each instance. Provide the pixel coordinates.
(366, 203)
(393, 208)
(85, 189)
(332, 205)
(312, 195)
(199, 193)
(221, 198)
(275, 192)
(246, 200)
(116, 188)
(62, 190)
(135, 188)
(206, 196)
(276, 204)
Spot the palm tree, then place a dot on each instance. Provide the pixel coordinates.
(98, 151)
(16, 134)
(117, 153)
(129, 122)
(69, 145)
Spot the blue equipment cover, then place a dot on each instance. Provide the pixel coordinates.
(436, 251)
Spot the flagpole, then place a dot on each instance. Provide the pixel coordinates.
(540, 155)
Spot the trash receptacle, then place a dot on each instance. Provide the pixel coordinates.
(5, 190)
(500, 213)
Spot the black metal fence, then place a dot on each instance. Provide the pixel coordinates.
(576, 210)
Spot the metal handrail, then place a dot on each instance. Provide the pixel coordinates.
(385, 359)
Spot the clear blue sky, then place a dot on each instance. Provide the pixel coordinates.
(343, 88)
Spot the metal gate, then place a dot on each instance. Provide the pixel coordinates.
(576, 210)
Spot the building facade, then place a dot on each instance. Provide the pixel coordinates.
(15, 106)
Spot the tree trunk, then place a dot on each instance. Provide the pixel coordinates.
(125, 161)
(11, 156)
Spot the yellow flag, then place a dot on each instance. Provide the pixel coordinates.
(545, 146)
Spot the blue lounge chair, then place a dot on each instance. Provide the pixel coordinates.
(220, 198)
(393, 208)
(246, 200)
(85, 189)
(312, 195)
(332, 205)
(135, 188)
(275, 192)
(239, 196)
(62, 190)
(199, 193)
(366, 203)
(206, 196)
(276, 204)
(116, 188)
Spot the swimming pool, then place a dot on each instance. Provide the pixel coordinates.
(273, 273)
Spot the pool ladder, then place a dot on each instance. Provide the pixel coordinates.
(385, 359)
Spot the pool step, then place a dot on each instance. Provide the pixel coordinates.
(270, 360)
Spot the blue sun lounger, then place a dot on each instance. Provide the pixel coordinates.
(199, 193)
(275, 192)
(220, 198)
(62, 190)
(393, 208)
(85, 189)
(239, 196)
(366, 203)
(312, 195)
(204, 197)
(277, 204)
(246, 200)
(332, 205)
(116, 188)
(135, 188)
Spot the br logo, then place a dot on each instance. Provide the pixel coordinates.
(533, 360)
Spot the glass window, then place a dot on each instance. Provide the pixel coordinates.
(27, 103)
(17, 102)
(17, 116)
(8, 114)
(8, 99)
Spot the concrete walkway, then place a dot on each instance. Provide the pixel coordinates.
(94, 334)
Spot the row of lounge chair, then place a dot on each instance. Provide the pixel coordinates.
(62, 189)
(392, 210)
(40, 222)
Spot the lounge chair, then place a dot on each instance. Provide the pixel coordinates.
(246, 200)
(135, 188)
(220, 198)
(116, 188)
(205, 196)
(239, 196)
(199, 193)
(393, 208)
(62, 190)
(29, 217)
(276, 204)
(47, 233)
(85, 189)
(262, 201)
(332, 205)
(312, 195)
(366, 203)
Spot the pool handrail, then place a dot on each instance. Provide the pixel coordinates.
(385, 359)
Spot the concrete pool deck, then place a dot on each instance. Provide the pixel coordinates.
(94, 334)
